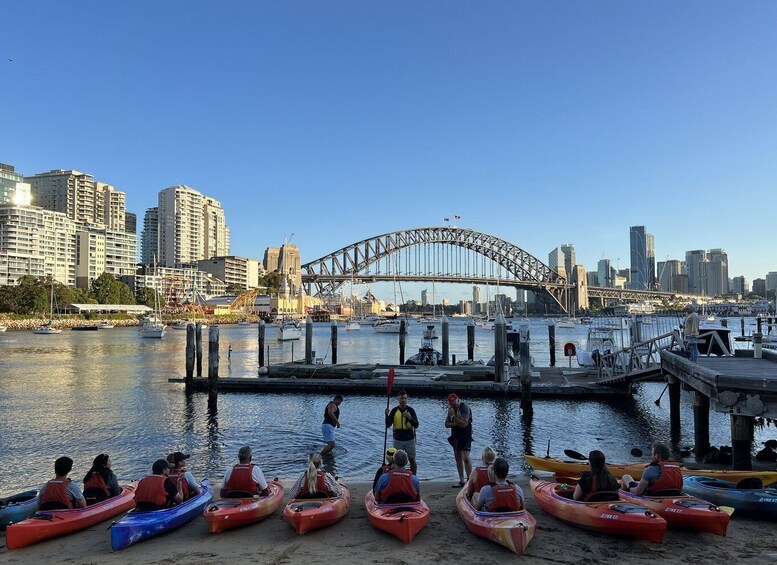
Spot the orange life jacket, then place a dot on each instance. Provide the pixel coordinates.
(186, 491)
(671, 477)
(56, 491)
(481, 478)
(400, 482)
(95, 481)
(320, 483)
(151, 491)
(241, 479)
(505, 499)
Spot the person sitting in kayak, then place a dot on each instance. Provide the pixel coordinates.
(660, 475)
(767, 453)
(315, 482)
(386, 467)
(158, 490)
(501, 495)
(60, 493)
(479, 478)
(245, 478)
(597, 480)
(189, 485)
(399, 484)
(100, 482)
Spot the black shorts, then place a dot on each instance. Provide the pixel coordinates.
(460, 444)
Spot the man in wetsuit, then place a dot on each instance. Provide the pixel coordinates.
(331, 421)
(404, 422)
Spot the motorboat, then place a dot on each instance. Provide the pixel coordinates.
(429, 333)
(289, 330)
(586, 320)
(566, 323)
(351, 325)
(600, 342)
(388, 326)
(426, 355)
(105, 326)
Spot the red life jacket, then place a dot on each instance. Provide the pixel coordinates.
(400, 482)
(481, 478)
(151, 491)
(671, 477)
(241, 479)
(320, 483)
(56, 491)
(186, 491)
(95, 481)
(505, 499)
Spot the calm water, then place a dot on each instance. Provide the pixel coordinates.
(83, 393)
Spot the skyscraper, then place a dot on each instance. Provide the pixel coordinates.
(476, 299)
(740, 286)
(694, 268)
(604, 274)
(114, 206)
(570, 261)
(13, 189)
(556, 261)
(424, 297)
(716, 272)
(666, 271)
(149, 239)
(643, 258)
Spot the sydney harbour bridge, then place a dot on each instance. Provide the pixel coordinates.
(455, 255)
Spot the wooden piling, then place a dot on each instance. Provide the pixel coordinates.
(402, 339)
(674, 408)
(471, 340)
(190, 354)
(742, 326)
(741, 441)
(701, 425)
(445, 341)
(213, 360)
(334, 342)
(499, 349)
(198, 340)
(260, 342)
(552, 343)
(525, 368)
(309, 341)
(724, 322)
(758, 325)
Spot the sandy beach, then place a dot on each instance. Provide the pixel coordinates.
(354, 541)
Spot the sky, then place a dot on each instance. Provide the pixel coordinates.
(542, 122)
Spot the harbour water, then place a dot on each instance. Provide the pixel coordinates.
(84, 393)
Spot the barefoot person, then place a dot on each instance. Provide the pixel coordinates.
(403, 420)
(331, 421)
(459, 420)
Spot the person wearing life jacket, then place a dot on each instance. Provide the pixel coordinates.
(459, 421)
(399, 484)
(598, 479)
(661, 474)
(61, 493)
(245, 477)
(315, 480)
(479, 477)
(501, 495)
(404, 422)
(100, 482)
(189, 486)
(158, 490)
(386, 467)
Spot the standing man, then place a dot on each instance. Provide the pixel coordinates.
(404, 422)
(459, 420)
(331, 421)
(691, 332)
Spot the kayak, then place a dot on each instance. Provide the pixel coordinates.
(18, 507)
(306, 514)
(513, 530)
(758, 502)
(684, 512)
(53, 523)
(402, 520)
(231, 513)
(139, 525)
(574, 468)
(616, 518)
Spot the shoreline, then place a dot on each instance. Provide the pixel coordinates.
(354, 541)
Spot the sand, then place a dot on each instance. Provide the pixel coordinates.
(354, 541)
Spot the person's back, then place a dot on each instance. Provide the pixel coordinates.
(501, 496)
(245, 478)
(315, 482)
(596, 481)
(158, 491)
(479, 477)
(60, 493)
(385, 467)
(100, 482)
(399, 484)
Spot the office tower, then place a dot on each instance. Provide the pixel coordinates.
(570, 261)
(13, 189)
(149, 240)
(716, 272)
(741, 286)
(603, 274)
(556, 261)
(759, 287)
(424, 298)
(680, 283)
(771, 281)
(70, 192)
(694, 268)
(131, 222)
(650, 254)
(643, 258)
(592, 277)
(666, 271)
(476, 299)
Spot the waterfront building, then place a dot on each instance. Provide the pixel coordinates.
(475, 299)
(465, 307)
(759, 287)
(149, 239)
(643, 258)
(13, 189)
(72, 193)
(131, 222)
(666, 272)
(176, 285)
(237, 272)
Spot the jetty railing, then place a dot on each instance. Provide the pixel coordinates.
(639, 357)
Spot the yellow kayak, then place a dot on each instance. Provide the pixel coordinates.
(574, 468)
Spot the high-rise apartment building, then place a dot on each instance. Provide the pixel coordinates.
(13, 189)
(233, 271)
(131, 222)
(643, 258)
(149, 239)
(424, 298)
(114, 206)
(70, 192)
(759, 287)
(216, 230)
(716, 273)
(771, 281)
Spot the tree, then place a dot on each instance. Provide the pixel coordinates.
(272, 281)
(107, 290)
(145, 296)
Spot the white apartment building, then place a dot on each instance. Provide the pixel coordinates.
(72, 193)
(13, 189)
(100, 249)
(234, 271)
(115, 206)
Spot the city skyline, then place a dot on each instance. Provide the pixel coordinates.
(351, 120)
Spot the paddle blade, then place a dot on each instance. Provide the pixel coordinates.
(390, 380)
(572, 454)
(636, 452)
(727, 509)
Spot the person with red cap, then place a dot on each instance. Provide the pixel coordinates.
(459, 420)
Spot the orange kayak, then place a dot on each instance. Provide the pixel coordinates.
(54, 523)
(616, 518)
(684, 512)
(574, 468)
(231, 513)
(403, 520)
(513, 530)
(306, 514)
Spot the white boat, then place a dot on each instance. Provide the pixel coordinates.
(179, 324)
(429, 334)
(483, 322)
(351, 325)
(600, 342)
(566, 323)
(152, 326)
(47, 328)
(105, 326)
(391, 326)
(2, 328)
(289, 330)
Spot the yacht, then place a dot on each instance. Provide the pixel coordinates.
(289, 330)
(105, 326)
(48, 328)
(388, 326)
(152, 326)
(426, 355)
(351, 325)
(566, 323)
(2, 328)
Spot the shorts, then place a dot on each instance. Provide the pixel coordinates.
(408, 446)
(460, 444)
(328, 431)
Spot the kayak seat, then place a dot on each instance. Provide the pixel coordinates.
(399, 498)
(94, 495)
(317, 494)
(750, 483)
(504, 509)
(239, 494)
(604, 496)
(667, 492)
(53, 505)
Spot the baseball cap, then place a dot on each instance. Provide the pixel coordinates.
(160, 465)
(452, 398)
(390, 453)
(177, 457)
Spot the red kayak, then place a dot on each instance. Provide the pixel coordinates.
(53, 523)
(403, 520)
(231, 513)
(306, 514)
(513, 530)
(613, 517)
(684, 511)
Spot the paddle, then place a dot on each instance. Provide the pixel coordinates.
(389, 385)
(572, 454)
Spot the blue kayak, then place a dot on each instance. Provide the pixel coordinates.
(18, 507)
(139, 525)
(755, 502)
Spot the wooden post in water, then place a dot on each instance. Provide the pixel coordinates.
(198, 339)
(701, 425)
(309, 341)
(334, 342)
(471, 340)
(741, 441)
(552, 343)
(445, 340)
(674, 408)
(260, 342)
(724, 322)
(525, 368)
(742, 325)
(190, 352)
(500, 347)
(758, 325)
(402, 338)
(213, 360)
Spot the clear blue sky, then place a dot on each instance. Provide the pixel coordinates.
(542, 123)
